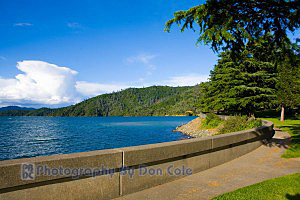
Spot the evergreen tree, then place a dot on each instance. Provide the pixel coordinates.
(288, 85)
(243, 86)
(287, 64)
(232, 24)
(155, 100)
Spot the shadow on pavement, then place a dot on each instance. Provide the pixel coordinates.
(279, 142)
(293, 197)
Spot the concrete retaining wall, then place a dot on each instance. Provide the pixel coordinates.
(195, 154)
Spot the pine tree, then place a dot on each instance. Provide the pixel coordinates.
(288, 85)
(243, 86)
(232, 24)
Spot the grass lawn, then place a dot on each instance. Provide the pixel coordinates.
(292, 126)
(286, 187)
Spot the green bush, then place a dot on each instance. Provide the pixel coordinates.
(212, 121)
(239, 123)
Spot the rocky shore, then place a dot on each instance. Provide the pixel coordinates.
(193, 128)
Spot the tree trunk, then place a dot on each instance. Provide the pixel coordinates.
(282, 113)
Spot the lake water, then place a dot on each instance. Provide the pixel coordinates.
(22, 137)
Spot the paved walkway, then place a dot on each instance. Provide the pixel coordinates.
(259, 165)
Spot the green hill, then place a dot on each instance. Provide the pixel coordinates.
(150, 101)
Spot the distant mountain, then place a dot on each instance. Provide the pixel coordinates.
(150, 101)
(16, 108)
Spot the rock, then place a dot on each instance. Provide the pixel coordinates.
(193, 128)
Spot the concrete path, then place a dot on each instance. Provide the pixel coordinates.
(259, 165)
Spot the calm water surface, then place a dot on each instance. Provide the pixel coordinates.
(22, 137)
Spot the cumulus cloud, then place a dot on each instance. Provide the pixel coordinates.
(44, 84)
(185, 80)
(41, 83)
(23, 24)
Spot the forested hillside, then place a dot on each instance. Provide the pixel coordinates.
(155, 100)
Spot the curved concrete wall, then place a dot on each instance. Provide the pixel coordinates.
(165, 159)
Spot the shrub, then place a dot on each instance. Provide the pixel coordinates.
(212, 121)
(239, 123)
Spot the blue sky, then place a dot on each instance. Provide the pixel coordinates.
(104, 46)
(96, 37)
(112, 43)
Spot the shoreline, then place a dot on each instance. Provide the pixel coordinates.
(193, 129)
(96, 116)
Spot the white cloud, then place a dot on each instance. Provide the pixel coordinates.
(185, 80)
(145, 59)
(175, 81)
(23, 24)
(41, 83)
(44, 84)
(93, 89)
(74, 25)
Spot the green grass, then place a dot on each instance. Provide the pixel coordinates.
(292, 126)
(286, 187)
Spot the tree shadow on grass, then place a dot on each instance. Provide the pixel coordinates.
(295, 129)
(292, 197)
